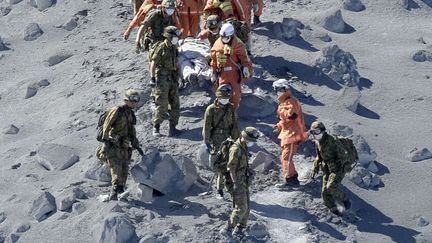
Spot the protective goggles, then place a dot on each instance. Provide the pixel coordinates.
(134, 98)
(225, 88)
(315, 131)
(212, 23)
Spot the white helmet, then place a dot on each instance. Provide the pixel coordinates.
(281, 83)
(226, 30)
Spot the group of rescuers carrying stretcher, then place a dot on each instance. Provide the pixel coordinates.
(226, 143)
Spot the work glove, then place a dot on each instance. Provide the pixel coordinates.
(214, 78)
(293, 116)
(246, 73)
(209, 148)
(255, 7)
(152, 82)
(126, 35)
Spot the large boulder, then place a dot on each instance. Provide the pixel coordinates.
(116, 228)
(331, 20)
(349, 98)
(98, 171)
(339, 65)
(353, 5)
(263, 162)
(32, 32)
(256, 106)
(365, 153)
(419, 154)
(145, 193)
(163, 173)
(56, 157)
(43, 206)
(203, 156)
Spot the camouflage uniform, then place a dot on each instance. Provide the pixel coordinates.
(154, 24)
(220, 123)
(330, 155)
(238, 165)
(165, 93)
(119, 132)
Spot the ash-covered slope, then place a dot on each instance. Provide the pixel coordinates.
(62, 64)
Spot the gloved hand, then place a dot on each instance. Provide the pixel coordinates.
(126, 34)
(152, 82)
(255, 7)
(246, 72)
(209, 148)
(214, 78)
(276, 130)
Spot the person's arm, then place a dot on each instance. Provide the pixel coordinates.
(316, 165)
(207, 125)
(233, 162)
(109, 120)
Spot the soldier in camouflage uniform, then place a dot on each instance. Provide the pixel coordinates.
(330, 157)
(118, 134)
(156, 21)
(164, 71)
(239, 171)
(220, 123)
(211, 32)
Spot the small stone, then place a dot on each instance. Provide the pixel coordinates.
(416, 154)
(5, 10)
(375, 181)
(43, 4)
(79, 193)
(3, 46)
(331, 20)
(373, 167)
(259, 230)
(43, 206)
(14, 237)
(58, 57)
(78, 208)
(43, 83)
(353, 5)
(145, 193)
(70, 24)
(23, 228)
(11, 130)
(422, 222)
(116, 228)
(31, 91)
(367, 181)
(15, 166)
(65, 202)
(32, 32)
(98, 171)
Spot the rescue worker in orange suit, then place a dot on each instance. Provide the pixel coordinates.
(140, 15)
(189, 13)
(291, 130)
(242, 9)
(221, 8)
(230, 62)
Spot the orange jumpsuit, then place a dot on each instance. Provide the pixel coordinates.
(224, 61)
(222, 9)
(189, 12)
(292, 131)
(142, 12)
(242, 9)
(260, 7)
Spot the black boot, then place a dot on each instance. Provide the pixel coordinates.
(173, 131)
(238, 233)
(256, 20)
(120, 189)
(156, 132)
(220, 194)
(293, 180)
(113, 194)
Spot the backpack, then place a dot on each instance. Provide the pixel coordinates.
(348, 145)
(101, 121)
(241, 29)
(222, 156)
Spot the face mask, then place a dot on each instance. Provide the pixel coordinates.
(250, 144)
(169, 11)
(280, 93)
(174, 40)
(214, 32)
(226, 39)
(223, 101)
(319, 136)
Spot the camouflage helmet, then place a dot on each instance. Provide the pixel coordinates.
(132, 96)
(250, 134)
(171, 31)
(224, 91)
(317, 125)
(168, 4)
(213, 21)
